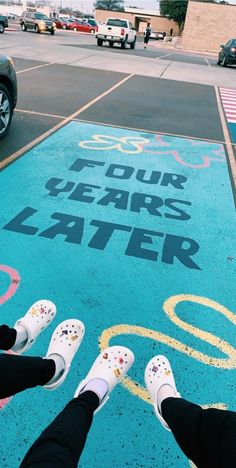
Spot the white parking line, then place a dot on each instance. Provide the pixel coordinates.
(40, 113)
(206, 60)
(34, 68)
(155, 132)
(61, 124)
(167, 55)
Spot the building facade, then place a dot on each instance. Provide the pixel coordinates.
(139, 18)
(208, 25)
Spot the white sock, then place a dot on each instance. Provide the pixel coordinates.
(21, 337)
(98, 386)
(166, 391)
(60, 367)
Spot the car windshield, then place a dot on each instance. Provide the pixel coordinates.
(40, 16)
(117, 22)
(233, 43)
(92, 22)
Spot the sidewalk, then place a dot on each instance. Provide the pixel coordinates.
(177, 47)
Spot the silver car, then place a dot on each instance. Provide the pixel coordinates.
(37, 22)
(8, 93)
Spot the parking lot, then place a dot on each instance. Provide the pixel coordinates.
(158, 110)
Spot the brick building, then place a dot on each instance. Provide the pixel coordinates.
(139, 18)
(208, 25)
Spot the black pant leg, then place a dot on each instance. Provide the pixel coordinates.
(206, 436)
(7, 337)
(20, 372)
(61, 443)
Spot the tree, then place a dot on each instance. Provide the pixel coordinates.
(174, 9)
(110, 5)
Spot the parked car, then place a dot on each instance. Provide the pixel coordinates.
(157, 35)
(12, 16)
(82, 26)
(37, 22)
(227, 55)
(117, 30)
(3, 23)
(8, 93)
(61, 23)
(90, 21)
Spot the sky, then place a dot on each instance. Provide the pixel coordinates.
(87, 5)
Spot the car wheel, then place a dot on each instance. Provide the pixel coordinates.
(92, 31)
(37, 30)
(23, 27)
(218, 61)
(6, 110)
(133, 44)
(224, 62)
(1, 28)
(123, 44)
(52, 33)
(111, 44)
(74, 29)
(99, 42)
(64, 27)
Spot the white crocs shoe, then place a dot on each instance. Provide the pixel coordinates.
(111, 365)
(65, 342)
(157, 374)
(36, 319)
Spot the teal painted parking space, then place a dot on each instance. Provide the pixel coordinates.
(130, 232)
(232, 128)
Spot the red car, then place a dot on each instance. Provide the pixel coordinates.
(83, 27)
(60, 23)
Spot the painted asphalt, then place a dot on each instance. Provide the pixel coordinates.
(152, 52)
(138, 246)
(228, 97)
(166, 106)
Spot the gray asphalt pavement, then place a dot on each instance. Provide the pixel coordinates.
(50, 91)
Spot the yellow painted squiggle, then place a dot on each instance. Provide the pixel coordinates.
(169, 308)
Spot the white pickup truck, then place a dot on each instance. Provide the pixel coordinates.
(116, 30)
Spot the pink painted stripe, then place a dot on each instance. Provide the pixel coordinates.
(231, 121)
(229, 103)
(224, 96)
(228, 92)
(227, 99)
(223, 93)
(228, 107)
(227, 89)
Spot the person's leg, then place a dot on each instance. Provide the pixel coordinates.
(61, 444)
(27, 329)
(17, 373)
(7, 337)
(206, 436)
(20, 372)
